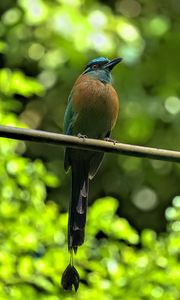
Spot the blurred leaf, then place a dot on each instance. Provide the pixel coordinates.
(17, 83)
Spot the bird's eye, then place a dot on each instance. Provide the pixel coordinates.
(94, 67)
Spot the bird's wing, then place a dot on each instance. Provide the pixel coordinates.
(69, 118)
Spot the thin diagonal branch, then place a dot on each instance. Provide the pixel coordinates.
(88, 144)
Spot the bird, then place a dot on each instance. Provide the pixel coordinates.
(91, 112)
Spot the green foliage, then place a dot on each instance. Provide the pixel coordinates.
(18, 83)
(44, 46)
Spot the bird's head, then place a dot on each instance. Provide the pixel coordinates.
(100, 68)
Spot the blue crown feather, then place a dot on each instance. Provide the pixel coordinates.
(98, 60)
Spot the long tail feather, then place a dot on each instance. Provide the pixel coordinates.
(78, 205)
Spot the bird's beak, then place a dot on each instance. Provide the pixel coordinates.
(110, 65)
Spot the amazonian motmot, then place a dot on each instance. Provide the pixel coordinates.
(91, 111)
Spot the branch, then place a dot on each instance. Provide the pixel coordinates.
(87, 144)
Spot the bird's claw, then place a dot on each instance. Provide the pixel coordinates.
(82, 136)
(107, 139)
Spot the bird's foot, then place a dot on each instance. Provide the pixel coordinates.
(107, 139)
(82, 136)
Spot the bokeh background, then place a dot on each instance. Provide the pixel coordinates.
(131, 248)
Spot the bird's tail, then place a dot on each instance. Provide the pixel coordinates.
(78, 205)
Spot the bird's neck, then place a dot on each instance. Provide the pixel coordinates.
(101, 75)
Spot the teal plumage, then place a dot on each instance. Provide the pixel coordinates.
(92, 111)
